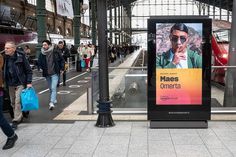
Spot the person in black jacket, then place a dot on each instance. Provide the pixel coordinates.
(65, 54)
(52, 64)
(17, 75)
(73, 53)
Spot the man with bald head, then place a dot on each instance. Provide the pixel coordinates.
(17, 76)
(179, 55)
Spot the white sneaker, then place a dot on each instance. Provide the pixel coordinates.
(51, 106)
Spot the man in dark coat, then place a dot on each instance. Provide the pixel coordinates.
(17, 75)
(52, 64)
(65, 54)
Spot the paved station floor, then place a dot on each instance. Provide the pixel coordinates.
(125, 139)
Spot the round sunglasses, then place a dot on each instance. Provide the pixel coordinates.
(175, 39)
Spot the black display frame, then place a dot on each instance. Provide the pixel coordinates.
(180, 112)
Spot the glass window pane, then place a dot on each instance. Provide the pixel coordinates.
(49, 5)
(33, 2)
(169, 7)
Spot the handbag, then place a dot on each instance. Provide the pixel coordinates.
(66, 66)
(82, 63)
(29, 100)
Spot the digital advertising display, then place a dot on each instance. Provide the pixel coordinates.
(179, 68)
(178, 63)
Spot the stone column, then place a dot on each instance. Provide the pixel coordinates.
(104, 104)
(41, 24)
(76, 23)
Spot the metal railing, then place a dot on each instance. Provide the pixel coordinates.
(119, 91)
(229, 66)
(71, 62)
(145, 67)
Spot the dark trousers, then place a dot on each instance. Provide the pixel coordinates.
(6, 128)
(63, 78)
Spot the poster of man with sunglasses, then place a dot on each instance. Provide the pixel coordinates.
(181, 49)
(179, 63)
(179, 70)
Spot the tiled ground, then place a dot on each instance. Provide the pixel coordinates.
(125, 139)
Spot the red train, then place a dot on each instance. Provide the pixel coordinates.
(220, 48)
(18, 35)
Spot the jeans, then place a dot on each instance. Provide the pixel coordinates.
(52, 84)
(6, 128)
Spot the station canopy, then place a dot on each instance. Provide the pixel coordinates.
(224, 4)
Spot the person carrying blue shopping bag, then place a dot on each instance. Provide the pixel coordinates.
(17, 75)
(29, 100)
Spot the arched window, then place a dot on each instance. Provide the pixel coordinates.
(48, 27)
(59, 30)
(68, 32)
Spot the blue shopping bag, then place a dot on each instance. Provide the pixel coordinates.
(29, 100)
(82, 63)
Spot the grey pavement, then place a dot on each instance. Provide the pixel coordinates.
(125, 139)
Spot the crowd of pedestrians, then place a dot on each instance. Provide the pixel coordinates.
(86, 54)
(119, 52)
(16, 74)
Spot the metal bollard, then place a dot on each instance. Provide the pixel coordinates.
(89, 101)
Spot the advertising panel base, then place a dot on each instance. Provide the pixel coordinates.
(178, 124)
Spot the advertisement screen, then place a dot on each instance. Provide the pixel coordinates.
(179, 63)
(65, 8)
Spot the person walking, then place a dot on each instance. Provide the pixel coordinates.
(122, 54)
(17, 75)
(65, 52)
(27, 51)
(73, 53)
(86, 54)
(5, 126)
(52, 64)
